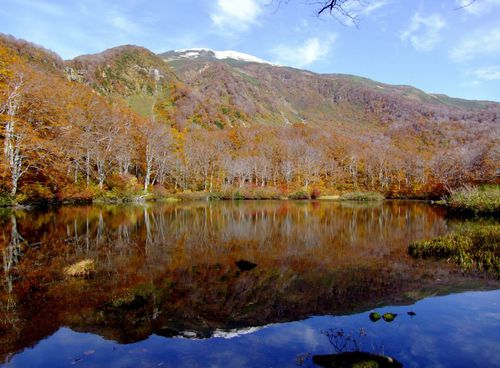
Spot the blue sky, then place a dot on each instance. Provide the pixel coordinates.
(425, 43)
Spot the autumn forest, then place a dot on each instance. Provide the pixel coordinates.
(130, 124)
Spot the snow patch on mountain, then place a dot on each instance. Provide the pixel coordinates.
(221, 55)
(238, 56)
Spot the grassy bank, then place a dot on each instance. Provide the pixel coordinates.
(479, 201)
(362, 196)
(250, 193)
(133, 192)
(473, 246)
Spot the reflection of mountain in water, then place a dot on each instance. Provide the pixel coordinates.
(171, 269)
(221, 333)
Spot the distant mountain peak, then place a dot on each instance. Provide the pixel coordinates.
(194, 53)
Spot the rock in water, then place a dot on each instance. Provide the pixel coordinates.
(389, 317)
(245, 265)
(355, 359)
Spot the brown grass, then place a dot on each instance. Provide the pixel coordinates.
(80, 269)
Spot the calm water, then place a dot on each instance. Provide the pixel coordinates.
(170, 288)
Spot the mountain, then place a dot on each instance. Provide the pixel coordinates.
(207, 54)
(149, 85)
(281, 95)
(131, 72)
(85, 125)
(227, 88)
(50, 119)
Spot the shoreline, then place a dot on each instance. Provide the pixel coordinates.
(174, 199)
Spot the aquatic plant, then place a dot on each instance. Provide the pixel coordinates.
(471, 246)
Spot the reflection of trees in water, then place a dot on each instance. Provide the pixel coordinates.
(160, 232)
(294, 244)
(12, 252)
(342, 341)
(348, 352)
(11, 255)
(296, 228)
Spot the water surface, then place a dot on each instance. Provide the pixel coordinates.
(168, 290)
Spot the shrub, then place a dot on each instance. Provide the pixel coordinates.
(116, 181)
(361, 196)
(110, 196)
(255, 193)
(120, 195)
(227, 193)
(478, 201)
(78, 193)
(300, 194)
(260, 193)
(5, 200)
(315, 193)
(238, 196)
(35, 193)
(159, 192)
(214, 196)
(192, 196)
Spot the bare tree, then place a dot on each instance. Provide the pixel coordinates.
(336, 6)
(158, 144)
(348, 8)
(15, 137)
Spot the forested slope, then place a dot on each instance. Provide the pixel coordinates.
(126, 121)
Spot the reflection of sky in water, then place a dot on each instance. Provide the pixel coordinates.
(461, 330)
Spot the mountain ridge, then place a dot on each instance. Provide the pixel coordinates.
(323, 96)
(177, 54)
(193, 53)
(216, 123)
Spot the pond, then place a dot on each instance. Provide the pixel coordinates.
(238, 284)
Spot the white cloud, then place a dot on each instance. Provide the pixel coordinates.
(236, 16)
(486, 73)
(424, 32)
(42, 6)
(478, 7)
(304, 54)
(367, 9)
(360, 9)
(122, 23)
(472, 84)
(478, 44)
